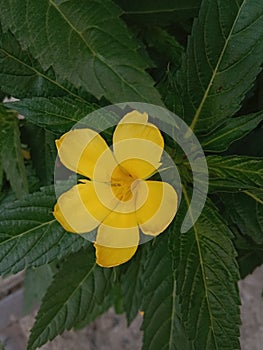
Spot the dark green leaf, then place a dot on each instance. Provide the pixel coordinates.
(226, 40)
(11, 152)
(78, 289)
(30, 235)
(161, 324)
(233, 129)
(207, 275)
(245, 210)
(159, 11)
(250, 254)
(74, 38)
(234, 173)
(54, 113)
(133, 283)
(22, 76)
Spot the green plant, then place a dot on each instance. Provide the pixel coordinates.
(202, 60)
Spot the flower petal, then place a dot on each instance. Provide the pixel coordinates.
(115, 246)
(141, 142)
(80, 149)
(158, 211)
(80, 210)
(110, 257)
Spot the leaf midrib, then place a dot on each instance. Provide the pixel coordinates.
(202, 269)
(40, 74)
(70, 297)
(215, 71)
(98, 57)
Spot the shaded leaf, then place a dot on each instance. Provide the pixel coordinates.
(30, 235)
(232, 130)
(245, 210)
(105, 63)
(234, 173)
(159, 11)
(11, 152)
(226, 40)
(77, 290)
(132, 279)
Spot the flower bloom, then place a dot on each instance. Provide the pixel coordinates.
(116, 197)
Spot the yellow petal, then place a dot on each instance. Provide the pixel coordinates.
(110, 257)
(158, 211)
(80, 149)
(115, 246)
(79, 210)
(122, 217)
(141, 142)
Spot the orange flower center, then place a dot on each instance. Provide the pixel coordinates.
(121, 183)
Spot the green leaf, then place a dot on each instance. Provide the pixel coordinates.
(207, 275)
(53, 113)
(30, 235)
(22, 76)
(102, 61)
(77, 290)
(11, 152)
(250, 254)
(234, 173)
(40, 278)
(159, 11)
(232, 130)
(42, 150)
(161, 323)
(245, 210)
(132, 279)
(226, 40)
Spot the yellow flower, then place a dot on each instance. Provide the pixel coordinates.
(117, 198)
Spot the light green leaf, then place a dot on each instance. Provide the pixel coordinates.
(11, 152)
(53, 113)
(226, 40)
(30, 235)
(22, 76)
(162, 325)
(207, 275)
(159, 11)
(74, 38)
(233, 129)
(234, 173)
(40, 278)
(78, 290)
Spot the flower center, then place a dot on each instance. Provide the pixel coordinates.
(121, 183)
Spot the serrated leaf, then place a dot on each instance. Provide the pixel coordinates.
(78, 289)
(232, 130)
(162, 325)
(132, 279)
(30, 235)
(234, 173)
(245, 210)
(159, 11)
(53, 113)
(11, 153)
(250, 254)
(226, 40)
(22, 76)
(207, 275)
(43, 151)
(105, 63)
